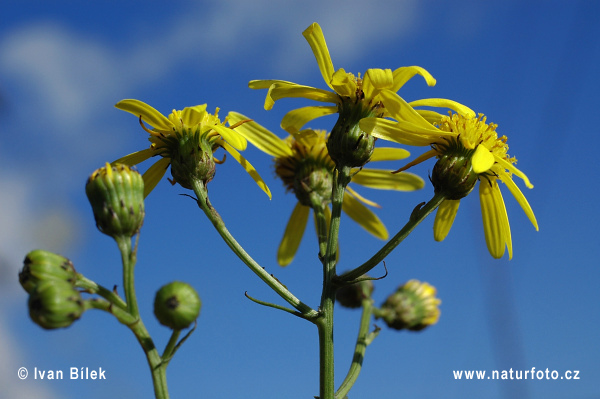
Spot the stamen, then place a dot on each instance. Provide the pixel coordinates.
(145, 128)
(240, 123)
(222, 161)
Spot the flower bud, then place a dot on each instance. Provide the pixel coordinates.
(348, 145)
(177, 305)
(55, 304)
(191, 158)
(413, 306)
(42, 265)
(453, 173)
(116, 194)
(351, 296)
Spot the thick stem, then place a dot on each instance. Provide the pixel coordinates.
(204, 204)
(325, 324)
(418, 215)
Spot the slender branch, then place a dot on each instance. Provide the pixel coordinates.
(363, 340)
(93, 288)
(204, 204)
(419, 214)
(128, 260)
(274, 306)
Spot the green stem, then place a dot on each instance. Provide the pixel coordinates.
(204, 204)
(158, 368)
(418, 215)
(93, 288)
(321, 223)
(170, 348)
(363, 340)
(341, 179)
(128, 259)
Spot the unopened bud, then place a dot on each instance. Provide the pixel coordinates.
(42, 265)
(177, 305)
(413, 306)
(116, 194)
(55, 304)
(351, 296)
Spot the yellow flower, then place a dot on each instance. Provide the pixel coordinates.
(354, 97)
(303, 164)
(200, 131)
(460, 139)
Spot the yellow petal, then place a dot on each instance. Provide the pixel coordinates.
(400, 110)
(495, 219)
(294, 120)
(148, 114)
(421, 158)
(388, 154)
(293, 235)
(400, 133)
(444, 218)
(343, 84)
(509, 166)
(135, 157)
(236, 140)
(361, 198)
(364, 217)
(154, 174)
(278, 91)
(516, 192)
(444, 103)
(192, 116)
(259, 136)
(386, 180)
(404, 74)
(247, 167)
(266, 83)
(430, 116)
(376, 80)
(482, 159)
(316, 40)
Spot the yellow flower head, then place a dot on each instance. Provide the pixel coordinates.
(468, 150)
(185, 140)
(354, 97)
(305, 167)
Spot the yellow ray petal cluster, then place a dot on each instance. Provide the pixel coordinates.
(167, 129)
(488, 156)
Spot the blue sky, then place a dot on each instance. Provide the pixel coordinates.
(529, 66)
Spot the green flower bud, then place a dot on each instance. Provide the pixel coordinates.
(348, 145)
(116, 194)
(191, 158)
(413, 306)
(177, 305)
(313, 183)
(42, 265)
(453, 173)
(351, 296)
(55, 304)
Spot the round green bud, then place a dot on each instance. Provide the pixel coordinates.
(348, 145)
(116, 194)
(177, 305)
(453, 173)
(351, 296)
(42, 265)
(55, 304)
(413, 307)
(191, 159)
